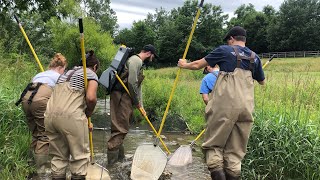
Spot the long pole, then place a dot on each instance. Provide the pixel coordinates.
(85, 83)
(179, 71)
(30, 45)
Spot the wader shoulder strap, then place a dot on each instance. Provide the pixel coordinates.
(253, 55)
(34, 92)
(23, 94)
(72, 72)
(238, 56)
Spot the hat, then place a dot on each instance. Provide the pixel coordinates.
(235, 31)
(152, 49)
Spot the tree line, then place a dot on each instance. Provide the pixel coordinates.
(52, 27)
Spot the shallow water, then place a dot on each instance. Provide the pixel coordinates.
(136, 137)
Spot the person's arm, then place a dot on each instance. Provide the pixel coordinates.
(91, 97)
(205, 98)
(194, 65)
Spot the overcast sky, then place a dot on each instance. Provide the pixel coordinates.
(128, 11)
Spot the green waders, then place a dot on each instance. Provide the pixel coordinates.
(229, 121)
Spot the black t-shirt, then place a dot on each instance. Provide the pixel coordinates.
(226, 58)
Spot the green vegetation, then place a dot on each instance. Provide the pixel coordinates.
(14, 136)
(285, 138)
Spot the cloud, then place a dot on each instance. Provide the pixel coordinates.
(134, 10)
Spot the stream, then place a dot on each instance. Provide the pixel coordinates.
(138, 135)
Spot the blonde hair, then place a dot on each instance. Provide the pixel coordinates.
(58, 60)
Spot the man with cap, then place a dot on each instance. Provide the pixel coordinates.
(121, 104)
(229, 123)
(208, 81)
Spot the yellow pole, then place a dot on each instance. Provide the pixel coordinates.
(27, 39)
(85, 83)
(178, 73)
(143, 113)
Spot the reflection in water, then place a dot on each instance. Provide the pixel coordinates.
(136, 137)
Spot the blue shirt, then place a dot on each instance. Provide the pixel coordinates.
(226, 58)
(208, 82)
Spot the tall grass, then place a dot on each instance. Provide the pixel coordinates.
(284, 142)
(14, 136)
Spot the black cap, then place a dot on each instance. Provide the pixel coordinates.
(152, 49)
(235, 31)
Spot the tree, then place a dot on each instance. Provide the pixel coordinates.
(296, 26)
(102, 13)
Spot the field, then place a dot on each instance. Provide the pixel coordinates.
(284, 142)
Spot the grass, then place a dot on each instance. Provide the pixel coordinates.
(14, 136)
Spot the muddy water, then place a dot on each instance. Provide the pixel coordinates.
(137, 136)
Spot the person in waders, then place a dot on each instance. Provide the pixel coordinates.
(121, 104)
(208, 81)
(66, 120)
(34, 102)
(229, 110)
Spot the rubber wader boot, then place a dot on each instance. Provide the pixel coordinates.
(113, 156)
(74, 177)
(218, 175)
(42, 165)
(121, 155)
(230, 177)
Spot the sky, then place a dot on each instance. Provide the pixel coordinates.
(128, 11)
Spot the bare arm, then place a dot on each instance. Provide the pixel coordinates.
(194, 65)
(205, 98)
(91, 97)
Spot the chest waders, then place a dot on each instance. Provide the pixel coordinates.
(67, 129)
(121, 110)
(34, 100)
(229, 119)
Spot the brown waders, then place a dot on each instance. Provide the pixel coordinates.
(121, 112)
(229, 121)
(34, 103)
(67, 129)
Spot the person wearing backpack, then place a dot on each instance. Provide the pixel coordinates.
(208, 81)
(229, 110)
(34, 101)
(121, 104)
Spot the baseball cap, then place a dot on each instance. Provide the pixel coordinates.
(235, 31)
(152, 49)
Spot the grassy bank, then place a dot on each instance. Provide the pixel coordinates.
(14, 136)
(285, 138)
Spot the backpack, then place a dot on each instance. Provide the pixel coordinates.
(108, 78)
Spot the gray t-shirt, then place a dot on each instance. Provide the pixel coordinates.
(76, 80)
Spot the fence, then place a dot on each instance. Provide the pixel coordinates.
(292, 54)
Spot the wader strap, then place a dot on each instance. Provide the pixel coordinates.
(251, 67)
(34, 92)
(238, 56)
(70, 75)
(23, 94)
